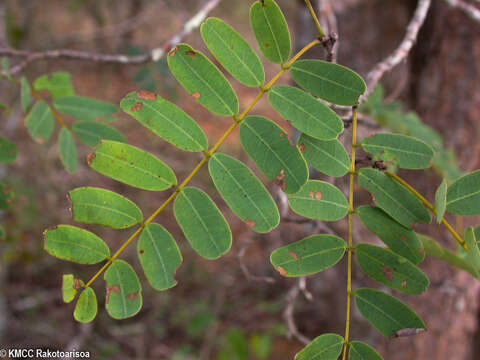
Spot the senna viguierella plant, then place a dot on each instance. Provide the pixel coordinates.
(397, 206)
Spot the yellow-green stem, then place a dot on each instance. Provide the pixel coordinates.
(429, 206)
(215, 147)
(320, 31)
(350, 232)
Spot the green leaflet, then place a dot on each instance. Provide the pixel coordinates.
(361, 351)
(244, 193)
(84, 108)
(463, 196)
(271, 31)
(159, 255)
(473, 253)
(123, 290)
(391, 269)
(58, 84)
(67, 150)
(308, 256)
(407, 152)
(74, 244)
(388, 315)
(202, 80)
(69, 288)
(90, 133)
(323, 347)
(203, 224)
(433, 249)
(268, 146)
(165, 119)
(441, 200)
(40, 122)
(102, 207)
(319, 200)
(331, 82)
(6, 197)
(328, 157)
(306, 113)
(132, 166)
(86, 307)
(8, 151)
(398, 238)
(233, 52)
(25, 94)
(393, 198)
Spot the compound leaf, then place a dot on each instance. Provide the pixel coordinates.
(328, 157)
(202, 79)
(67, 150)
(8, 151)
(165, 119)
(463, 196)
(132, 166)
(74, 244)
(407, 152)
(385, 313)
(86, 307)
(398, 238)
(85, 108)
(323, 347)
(203, 224)
(103, 207)
(233, 52)
(393, 198)
(244, 193)
(271, 30)
(308, 256)
(306, 113)
(473, 253)
(441, 201)
(331, 82)
(159, 256)
(40, 122)
(90, 133)
(58, 84)
(123, 290)
(361, 351)
(319, 200)
(25, 94)
(268, 146)
(391, 269)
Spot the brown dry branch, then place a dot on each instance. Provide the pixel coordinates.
(288, 312)
(469, 9)
(153, 55)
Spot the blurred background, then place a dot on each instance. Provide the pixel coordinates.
(238, 307)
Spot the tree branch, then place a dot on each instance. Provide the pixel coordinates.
(469, 9)
(153, 55)
(395, 58)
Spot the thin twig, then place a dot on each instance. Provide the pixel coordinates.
(288, 314)
(153, 55)
(244, 268)
(469, 9)
(328, 20)
(402, 51)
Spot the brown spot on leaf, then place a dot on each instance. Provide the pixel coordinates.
(141, 251)
(40, 140)
(421, 251)
(132, 296)
(111, 289)
(77, 285)
(404, 283)
(318, 195)
(312, 195)
(267, 45)
(191, 54)
(196, 95)
(146, 95)
(293, 255)
(374, 198)
(280, 180)
(173, 52)
(281, 271)
(403, 238)
(301, 148)
(137, 107)
(282, 134)
(90, 158)
(388, 273)
(250, 223)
